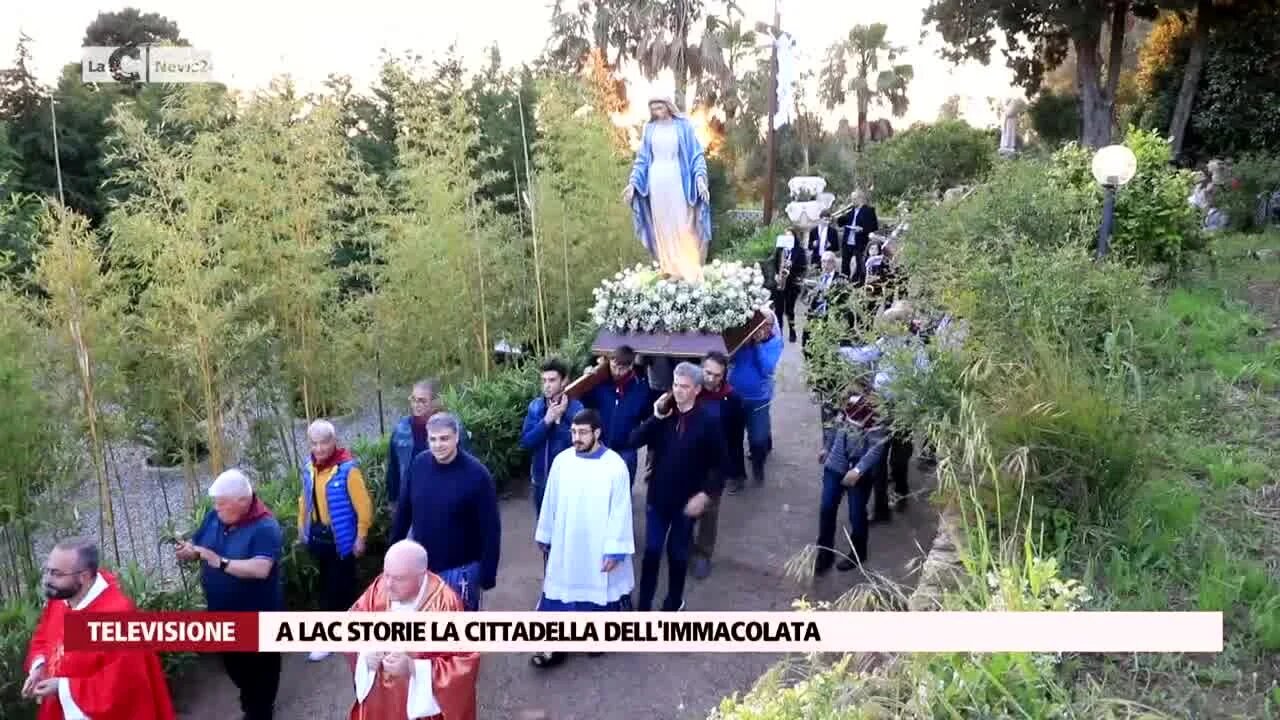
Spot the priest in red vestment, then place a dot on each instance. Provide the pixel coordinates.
(81, 684)
(412, 686)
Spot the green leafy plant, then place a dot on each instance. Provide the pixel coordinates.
(927, 158)
(1154, 223)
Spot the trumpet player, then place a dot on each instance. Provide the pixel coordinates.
(789, 267)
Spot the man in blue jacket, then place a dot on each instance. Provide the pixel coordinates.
(623, 403)
(752, 376)
(409, 436)
(686, 444)
(546, 427)
(850, 461)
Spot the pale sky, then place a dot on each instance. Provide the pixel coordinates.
(252, 41)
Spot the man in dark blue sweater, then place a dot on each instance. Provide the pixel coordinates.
(452, 506)
(623, 403)
(686, 450)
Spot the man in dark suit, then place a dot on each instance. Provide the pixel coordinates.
(822, 238)
(859, 223)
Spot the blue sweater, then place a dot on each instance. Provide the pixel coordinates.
(619, 415)
(751, 373)
(453, 509)
(545, 441)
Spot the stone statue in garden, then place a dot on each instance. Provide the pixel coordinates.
(668, 193)
(1009, 132)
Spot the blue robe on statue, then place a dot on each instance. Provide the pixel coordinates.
(693, 164)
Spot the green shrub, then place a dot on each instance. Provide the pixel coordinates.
(1055, 117)
(493, 410)
(17, 623)
(1154, 223)
(1017, 205)
(928, 157)
(753, 246)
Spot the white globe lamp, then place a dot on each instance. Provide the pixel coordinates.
(1113, 167)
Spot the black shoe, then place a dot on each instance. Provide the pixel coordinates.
(735, 486)
(880, 517)
(821, 568)
(847, 563)
(900, 504)
(792, 337)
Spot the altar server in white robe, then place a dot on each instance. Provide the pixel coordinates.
(585, 529)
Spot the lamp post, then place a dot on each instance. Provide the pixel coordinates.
(1113, 167)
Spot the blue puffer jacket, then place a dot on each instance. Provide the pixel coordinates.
(544, 441)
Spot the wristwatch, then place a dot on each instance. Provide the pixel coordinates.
(223, 563)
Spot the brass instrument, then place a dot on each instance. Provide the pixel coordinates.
(784, 271)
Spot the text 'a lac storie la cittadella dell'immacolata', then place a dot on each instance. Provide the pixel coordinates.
(391, 630)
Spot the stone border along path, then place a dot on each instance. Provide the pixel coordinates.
(760, 531)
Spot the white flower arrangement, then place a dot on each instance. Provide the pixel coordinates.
(642, 300)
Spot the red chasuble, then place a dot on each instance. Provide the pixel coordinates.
(116, 685)
(453, 675)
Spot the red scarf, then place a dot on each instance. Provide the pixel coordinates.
(340, 455)
(257, 510)
(620, 383)
(418, 425)
(720, 394)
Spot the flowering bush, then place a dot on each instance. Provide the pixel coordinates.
(643, 300)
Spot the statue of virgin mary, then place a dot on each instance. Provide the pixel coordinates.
(668, 193)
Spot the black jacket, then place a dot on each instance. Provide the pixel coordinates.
(833, 244)
(686, 454)
(799, 265)
(865, 217)
(732, 413)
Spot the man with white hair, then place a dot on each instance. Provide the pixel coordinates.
(398, 685)
(239, 546)
(334, 517)
(687, 447)
(825, 291)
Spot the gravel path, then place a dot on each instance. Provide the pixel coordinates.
(760, 531)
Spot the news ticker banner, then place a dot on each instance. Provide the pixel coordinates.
(736, 632)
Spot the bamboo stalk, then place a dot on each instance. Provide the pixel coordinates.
(485, 351)
(212, 406)
(128, 521)
(106, 513)
(568, 291)
(515, 173)
(540, 304)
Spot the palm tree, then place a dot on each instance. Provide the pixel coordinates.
(863, 48)
(739, 46)
(602, 25)
(664, 29)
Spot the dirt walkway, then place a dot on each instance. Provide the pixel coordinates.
(760, 530)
